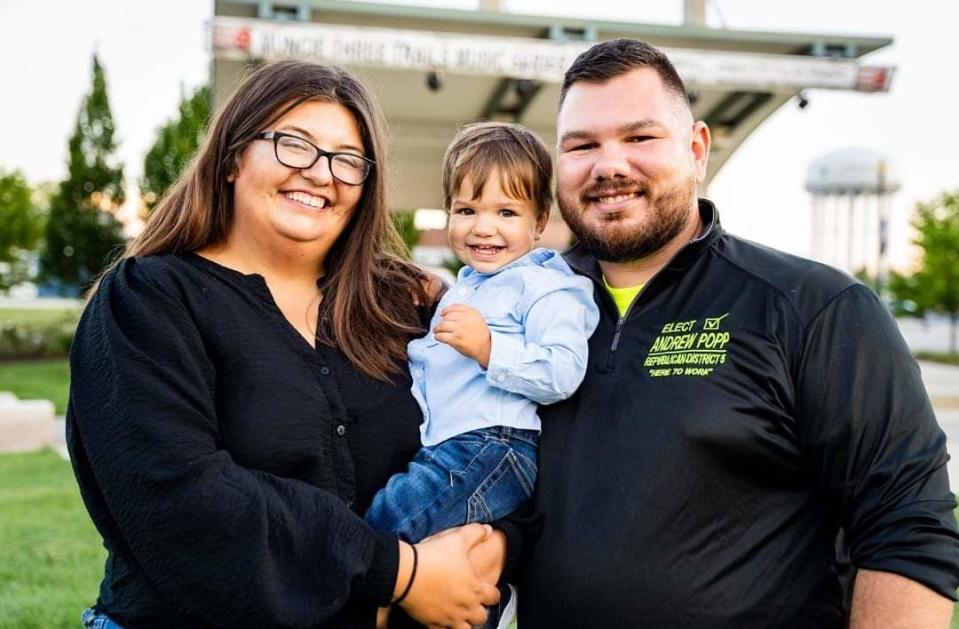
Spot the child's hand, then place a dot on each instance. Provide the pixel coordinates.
(464, 329)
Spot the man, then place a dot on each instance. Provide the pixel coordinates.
(741, 408)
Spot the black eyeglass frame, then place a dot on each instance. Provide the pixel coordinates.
(320, 153)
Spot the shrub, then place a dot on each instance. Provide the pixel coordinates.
(48, 338)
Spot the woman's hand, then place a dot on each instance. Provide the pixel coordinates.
(447, 591)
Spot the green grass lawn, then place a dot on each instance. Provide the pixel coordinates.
(37, 379)
(939, 357)
(52, 555)
(52, 558)
(38, 315)
(43, 378)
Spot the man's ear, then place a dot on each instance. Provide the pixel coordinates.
(699, 142)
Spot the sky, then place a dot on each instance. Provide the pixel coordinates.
(155, 51)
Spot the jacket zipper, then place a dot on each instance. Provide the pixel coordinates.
(620, 322)
(619, 330)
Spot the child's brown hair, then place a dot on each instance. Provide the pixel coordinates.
(516, 153)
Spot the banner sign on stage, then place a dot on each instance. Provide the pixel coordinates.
(544, 60)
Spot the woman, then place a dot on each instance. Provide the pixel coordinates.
(239, 389)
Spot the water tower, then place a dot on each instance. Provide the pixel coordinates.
(851, 189)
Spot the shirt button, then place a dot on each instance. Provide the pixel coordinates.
(341, 430)
(325, 371)
(419, 374)
(500, 377)
(463, 290)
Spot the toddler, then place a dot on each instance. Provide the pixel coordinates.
(509, 334)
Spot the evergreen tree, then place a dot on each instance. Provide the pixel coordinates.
(403, 221)
(935, 286)
(176, 143)
(22, 227)
(82, 235)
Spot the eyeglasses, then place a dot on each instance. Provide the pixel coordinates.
(294, 152)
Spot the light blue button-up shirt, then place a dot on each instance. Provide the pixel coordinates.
(540, 315)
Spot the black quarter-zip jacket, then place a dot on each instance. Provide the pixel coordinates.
(749, 406)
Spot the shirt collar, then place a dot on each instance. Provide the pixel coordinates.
(536, 257)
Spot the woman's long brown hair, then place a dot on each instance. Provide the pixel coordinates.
(369, 292)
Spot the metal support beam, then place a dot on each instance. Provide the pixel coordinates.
(735, 109)
(694, 13)
(847, 50)
(292, 10)
(587, 32)
(510, 99)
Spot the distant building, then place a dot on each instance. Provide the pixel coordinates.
(851, 190)
(436, 69)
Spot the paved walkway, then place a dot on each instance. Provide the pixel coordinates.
(942, 383)
(39, 303)
(930, 334)
(949, 420)
(58, 439)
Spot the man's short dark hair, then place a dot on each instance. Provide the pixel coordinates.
(610, 59)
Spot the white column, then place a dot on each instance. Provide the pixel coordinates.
(852, 234)
(837, 215)
(815, 229)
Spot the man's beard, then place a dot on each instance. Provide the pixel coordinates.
(615, 238)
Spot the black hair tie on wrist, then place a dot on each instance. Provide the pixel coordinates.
(409, 585)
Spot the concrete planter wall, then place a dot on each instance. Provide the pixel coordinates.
(25, 425)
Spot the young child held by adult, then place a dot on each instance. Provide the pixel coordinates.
(509, 334)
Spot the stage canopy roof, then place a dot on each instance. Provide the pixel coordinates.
(435, 69)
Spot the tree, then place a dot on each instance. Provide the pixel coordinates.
(405, 226)
(82, 234)
(176, 143)
(22, 227)
(904, 290)
(935, 285)
(862, 274)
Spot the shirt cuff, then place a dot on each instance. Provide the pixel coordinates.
(499, 371)
(377, 585)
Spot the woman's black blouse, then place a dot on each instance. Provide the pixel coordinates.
(224, 460)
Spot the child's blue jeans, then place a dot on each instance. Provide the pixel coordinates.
(478, 476)
(93, 619)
